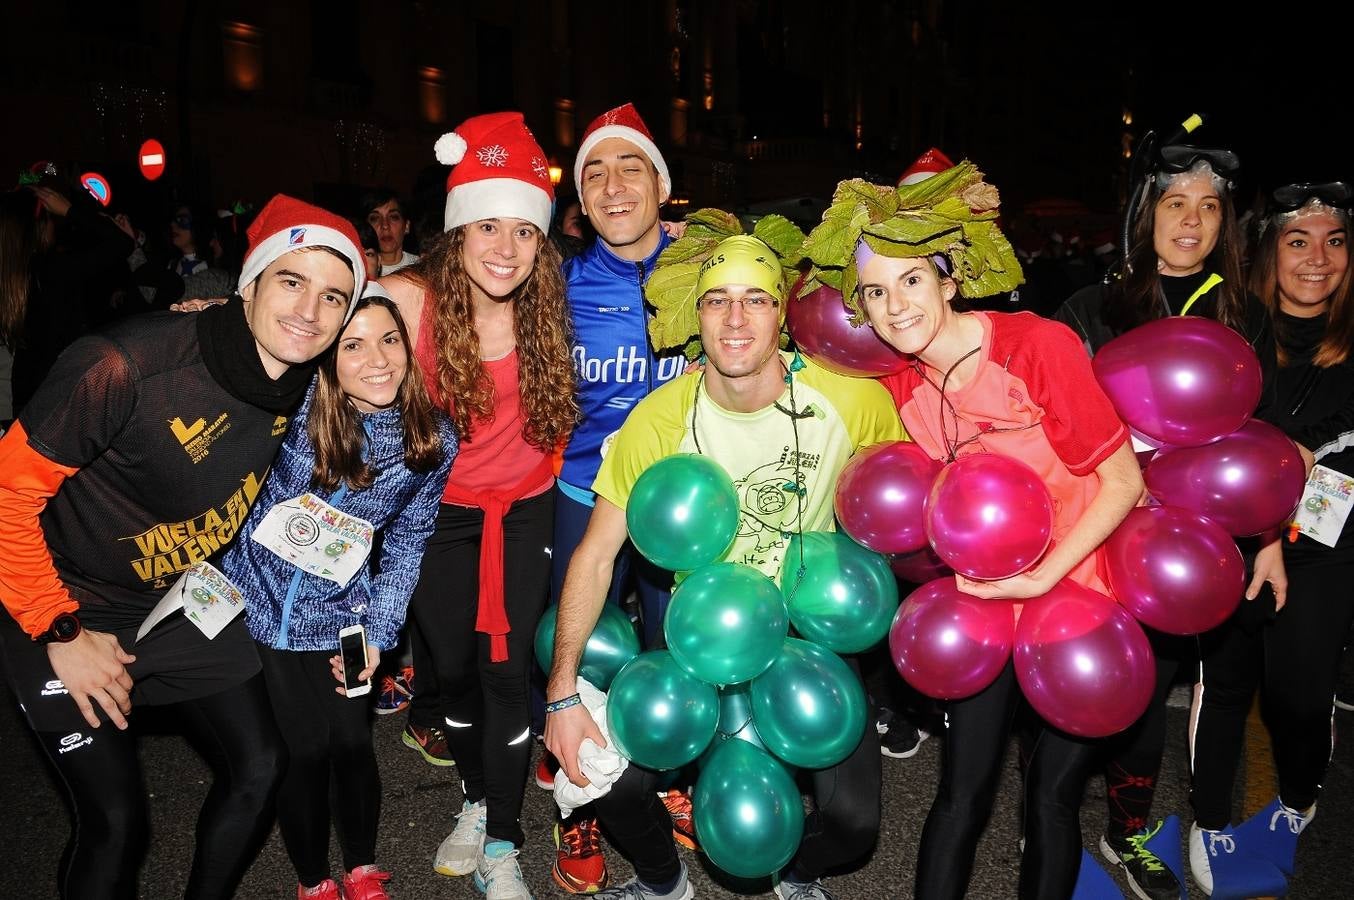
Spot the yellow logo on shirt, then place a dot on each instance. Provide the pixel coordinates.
(195, 439)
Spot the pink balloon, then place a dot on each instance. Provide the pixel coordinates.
(1174, 570)
(989, 516)
(948, 644)
(1183, 381)
(880, 494)
(919, 567)
(821, 328)
(1082, 662)
(1246, 482)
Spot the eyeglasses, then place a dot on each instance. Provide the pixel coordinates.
(1182, 157)
(756, 305)
(1292, 197)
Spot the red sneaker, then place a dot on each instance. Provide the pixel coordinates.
(365, 883)
(683, 825)
(545, 772)
(325, 890)
(580, 867)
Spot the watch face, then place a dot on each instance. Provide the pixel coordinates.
(66, 627)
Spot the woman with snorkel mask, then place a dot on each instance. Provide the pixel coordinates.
(1182, 252)
(1291, 649)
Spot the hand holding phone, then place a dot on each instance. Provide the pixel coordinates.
(354, 664)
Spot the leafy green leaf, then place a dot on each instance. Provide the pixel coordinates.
(782, 236)
(671, 291)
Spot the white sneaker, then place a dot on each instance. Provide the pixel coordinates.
(461, 850)
(498, 875)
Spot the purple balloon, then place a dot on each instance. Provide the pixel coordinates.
(919, 567)
(1246, 482)
(1182, 381)
(948, 644)
(989, 516)
(1082, 662)
(880, 494)
(820, 325)
(1174, 570)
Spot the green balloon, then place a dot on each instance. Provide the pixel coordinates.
(809, 706)
(846, 596)
(660, 715)
(683, 512)
(613, 643)
(749, 815)
(735, 719)
(725, 623)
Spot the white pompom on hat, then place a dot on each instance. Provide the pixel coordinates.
(499, 171)
(622, 122)
(286, 224)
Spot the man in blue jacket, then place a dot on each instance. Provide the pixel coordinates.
(622, 181)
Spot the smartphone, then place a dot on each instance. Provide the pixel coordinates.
(353, 649)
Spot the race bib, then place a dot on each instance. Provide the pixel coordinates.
(316, 538)
(207, 598)
(1326, 500)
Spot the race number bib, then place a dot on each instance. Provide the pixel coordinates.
(316, 538)
(1326, 500)
(207, 598)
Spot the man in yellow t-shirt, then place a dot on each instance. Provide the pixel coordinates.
(772, 421)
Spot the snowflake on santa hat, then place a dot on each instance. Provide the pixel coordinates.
(538, 166)
(494, 155)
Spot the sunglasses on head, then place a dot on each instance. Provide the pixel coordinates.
(1182, 157)
(1292, 197)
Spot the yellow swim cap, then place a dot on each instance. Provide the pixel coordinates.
(742, 259)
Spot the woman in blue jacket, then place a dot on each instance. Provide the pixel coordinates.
(366, 453)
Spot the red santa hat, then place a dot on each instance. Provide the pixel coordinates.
(286, 224)
(622, 122)
(500, 170)
(932, 162)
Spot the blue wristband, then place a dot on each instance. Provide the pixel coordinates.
(567, 702)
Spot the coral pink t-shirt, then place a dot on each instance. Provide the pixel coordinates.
(496, 456)
(1033, 398)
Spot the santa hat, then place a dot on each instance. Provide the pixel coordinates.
(932, 162)
(500, 170)
(286, 224)
(622, 122)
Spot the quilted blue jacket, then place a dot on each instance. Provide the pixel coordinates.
(289, 609)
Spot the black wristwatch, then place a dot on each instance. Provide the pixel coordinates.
(64, 629)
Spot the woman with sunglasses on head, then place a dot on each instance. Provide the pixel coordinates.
(492, 340)
(1289, 649)
(1182, 256)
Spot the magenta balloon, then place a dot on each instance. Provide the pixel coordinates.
(1174, 570)
(989, 516)
(1246, 482)
(948, 644)
(1183, 381)
(919, 567)
(820, 325)
(1082, 662)
(880, 494)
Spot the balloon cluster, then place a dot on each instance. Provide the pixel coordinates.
(1188, 387)
(734, 690)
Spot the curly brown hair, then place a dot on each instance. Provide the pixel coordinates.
(541, 325)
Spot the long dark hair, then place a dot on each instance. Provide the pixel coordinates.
(335, 425)
(20, 241)
(1336, 342)
(541, 324)
(1137, 298)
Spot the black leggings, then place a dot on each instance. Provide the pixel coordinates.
(976, 732)
(234, 731)
(1294, 658)
(332, 768)
(841, 829)
(483, 705)
(1135, 754)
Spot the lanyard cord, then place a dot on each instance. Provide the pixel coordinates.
(953, 446)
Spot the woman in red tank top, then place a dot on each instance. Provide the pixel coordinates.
(493, 344)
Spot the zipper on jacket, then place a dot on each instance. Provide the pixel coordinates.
(652, 359)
